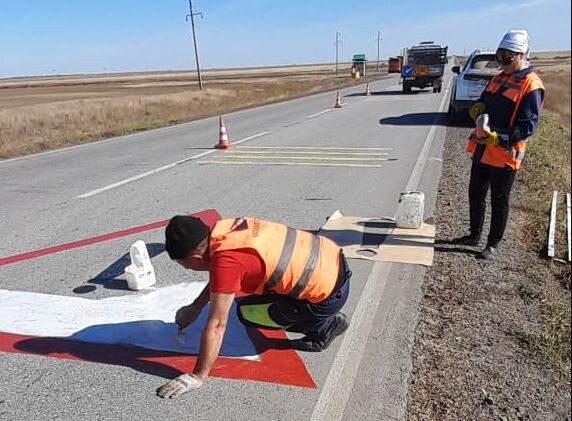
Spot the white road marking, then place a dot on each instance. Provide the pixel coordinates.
(145, 319)
(415, 176)
(316, 158)
(341, 378)
(158, 170)
(292, 164)
(254, 136)
(305, 152)
(320, 113)
(336, 391)
(338, 148)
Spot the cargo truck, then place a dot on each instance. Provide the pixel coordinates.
(394, 64)
(424, 65)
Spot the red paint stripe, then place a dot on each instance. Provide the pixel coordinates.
(275, 366)
(207, 216)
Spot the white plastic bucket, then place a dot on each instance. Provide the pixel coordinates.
(140, 274)
(410, 210)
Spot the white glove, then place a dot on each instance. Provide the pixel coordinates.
(179, 385)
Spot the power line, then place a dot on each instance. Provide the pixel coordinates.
(191, 15)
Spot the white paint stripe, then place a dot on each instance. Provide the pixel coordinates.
(415, 176)
(340, 148)
(316, 158)
(338, 386)
(143, 175)
(292, 164)
(145, 319)
(158, 170)
(341, 378)
(254, 136)
(552, 224)
(317, 114)
(305, 152)
(568, 230)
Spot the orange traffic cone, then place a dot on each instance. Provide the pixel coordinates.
(223, 142)
(367, 91)
(338, 100)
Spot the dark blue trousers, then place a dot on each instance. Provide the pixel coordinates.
(311, 319)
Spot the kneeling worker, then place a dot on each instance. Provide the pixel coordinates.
(295, 281)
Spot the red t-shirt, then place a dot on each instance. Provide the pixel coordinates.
(235, 270)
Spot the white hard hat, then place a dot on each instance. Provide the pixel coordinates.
(516, 40)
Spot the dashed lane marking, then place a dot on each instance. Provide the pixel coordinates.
(320, 113)
(160, 169)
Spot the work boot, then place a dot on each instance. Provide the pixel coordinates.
(487, 253)
(468, 240)
(313, 344)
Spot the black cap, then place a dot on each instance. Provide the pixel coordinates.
(183, 234)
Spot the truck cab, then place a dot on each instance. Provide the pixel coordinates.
(424, 65)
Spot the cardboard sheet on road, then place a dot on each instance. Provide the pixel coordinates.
(379, 239)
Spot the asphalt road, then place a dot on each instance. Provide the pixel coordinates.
(82, 192)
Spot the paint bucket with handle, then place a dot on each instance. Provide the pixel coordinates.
(140, 274)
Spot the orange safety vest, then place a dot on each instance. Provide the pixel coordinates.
(296, 263)
(496, 155)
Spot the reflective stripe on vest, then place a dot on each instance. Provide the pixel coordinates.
(296, 263)
(499, 156)
(285, 258)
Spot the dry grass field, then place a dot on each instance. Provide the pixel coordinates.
(554, 69)
(42, 113)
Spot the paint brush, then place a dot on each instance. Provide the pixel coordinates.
(180, 338)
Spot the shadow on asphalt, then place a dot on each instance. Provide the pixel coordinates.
(99, 353)
(385, 93)
(108, 278)
(416, 119)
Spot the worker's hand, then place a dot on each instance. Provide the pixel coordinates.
(490, 139)
(477, 109)
(187, 315)
(179, 385)
(482, 128)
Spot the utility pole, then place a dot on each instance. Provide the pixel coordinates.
(336, 43)
(378, 41)
(191, 15)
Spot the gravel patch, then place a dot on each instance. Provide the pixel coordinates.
(472, 357)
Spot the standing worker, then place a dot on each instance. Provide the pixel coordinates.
(505, 116)
(295, 281)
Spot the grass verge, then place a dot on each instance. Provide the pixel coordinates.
(547, 170)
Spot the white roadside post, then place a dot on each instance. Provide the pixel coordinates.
(552, 224)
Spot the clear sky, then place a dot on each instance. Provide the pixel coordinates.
(44, 37)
